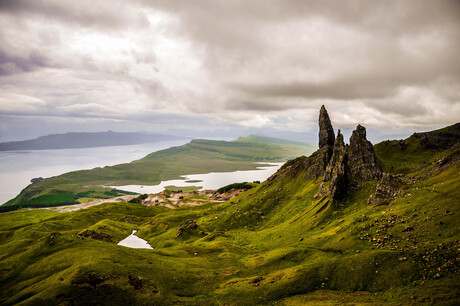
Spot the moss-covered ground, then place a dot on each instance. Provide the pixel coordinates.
(273, 244)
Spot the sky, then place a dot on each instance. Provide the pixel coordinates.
(228, 67)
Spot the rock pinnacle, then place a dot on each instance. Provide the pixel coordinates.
(326, 132)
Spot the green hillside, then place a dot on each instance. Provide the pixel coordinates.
(274, 244)
(198, 156)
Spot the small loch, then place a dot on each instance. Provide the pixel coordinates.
(213, 180)
(132, 241)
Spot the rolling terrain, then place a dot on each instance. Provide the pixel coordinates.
(197, 156)
(355, 223)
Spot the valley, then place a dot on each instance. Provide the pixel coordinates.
(195, 157)
(382, 229)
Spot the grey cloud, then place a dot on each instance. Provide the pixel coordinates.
(105, 14)
(263, 106)
(408, 109)
(238, 21)
(340, 91)
(388, 56)
(234, 59)
(10, 64)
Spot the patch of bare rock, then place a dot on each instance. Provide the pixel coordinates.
(176, 199)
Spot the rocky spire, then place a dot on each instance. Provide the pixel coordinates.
(326, 132)
(335, 181)
(362, 161)
(339, 165)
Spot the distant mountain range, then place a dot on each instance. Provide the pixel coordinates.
(85, 140)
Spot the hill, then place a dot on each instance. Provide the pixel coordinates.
(197, 156)
(84, 140)
(352, 224)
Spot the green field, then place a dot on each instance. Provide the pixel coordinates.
(198, 156)
(274, 244)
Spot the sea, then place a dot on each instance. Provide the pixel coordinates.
(17, 168)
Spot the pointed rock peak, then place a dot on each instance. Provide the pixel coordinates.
(361, 131)
(336, 172)
(362, 160)
(326, 132)
(339, 139)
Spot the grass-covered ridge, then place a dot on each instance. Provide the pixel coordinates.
(274, 244)
(197, 156)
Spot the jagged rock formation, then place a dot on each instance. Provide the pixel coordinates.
(319, 160)
(387, 189)
(337, 163)
(326, 132)
(345, 163)
(362, 161)
(335, 181)
(348, 163)
(317, 163)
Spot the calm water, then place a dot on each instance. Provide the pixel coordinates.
(213, 180)
(17, 168)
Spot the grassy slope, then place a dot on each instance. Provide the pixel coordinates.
(198, 156)
(273, 244)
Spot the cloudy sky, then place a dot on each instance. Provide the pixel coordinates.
(93, 65)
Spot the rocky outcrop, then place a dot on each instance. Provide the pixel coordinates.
(317, 163)
(338, 164)
(362, 161)
(36, 180)
(344, 164)
(326, 132)
(388, 188)
(335, 181)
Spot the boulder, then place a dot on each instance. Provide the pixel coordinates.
(388, 188)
